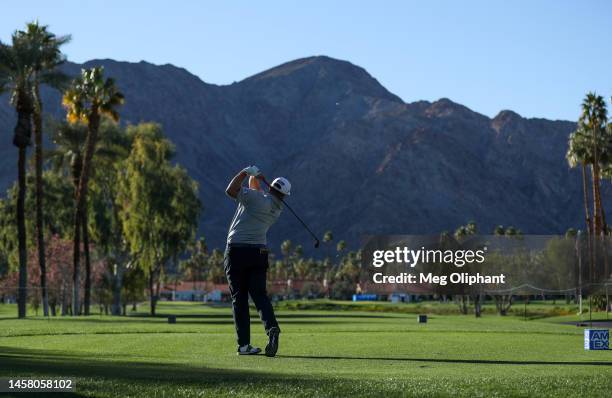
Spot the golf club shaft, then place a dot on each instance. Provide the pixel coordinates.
(296, 216)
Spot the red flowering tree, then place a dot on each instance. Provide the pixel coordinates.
(59, 276)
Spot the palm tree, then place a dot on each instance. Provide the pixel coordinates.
(579, 153)
(67, 155)
(593, 119)
(298, 252)
(195, 264)
(471, 228)
(69, 140)
(511, 231)
(67, 158)
(89, 97)
(16, 73)
(286, 247)
(341, 246)
(465, 230)
(460, 234)
(328, 236)
(46, 57)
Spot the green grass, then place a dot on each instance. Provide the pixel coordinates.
(535, 309)
(323, 353)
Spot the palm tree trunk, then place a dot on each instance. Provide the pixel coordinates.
(40, 237)
(87, 298)
(81, 198)
(21, 232)
(587, 215)
(76, 166)
(21, 139)
(598, 214)
(601, 232)
(596, 184)
(585, 191)
(596, 203)
(76, 258)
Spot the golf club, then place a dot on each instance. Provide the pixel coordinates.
(316, 245)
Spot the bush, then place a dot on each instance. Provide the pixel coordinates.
(343, 290)
(311, 290)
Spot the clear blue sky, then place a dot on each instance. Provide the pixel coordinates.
(538, 58)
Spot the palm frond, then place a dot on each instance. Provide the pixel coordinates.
(56, 79)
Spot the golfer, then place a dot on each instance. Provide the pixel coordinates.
(246, 255)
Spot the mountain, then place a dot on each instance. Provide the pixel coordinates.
(361, 161)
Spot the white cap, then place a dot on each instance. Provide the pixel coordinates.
(282, 185)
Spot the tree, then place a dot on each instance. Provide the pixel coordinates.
(298, 252)
(69, 140)
(46, 57)
(89, 97)
(286, 247)
(328, 237)
(58, 255)
(195, 265)
(216, 273)
(591, 144)
(512, 231)
(16, 73)
(463, 300)
(579, 153)
(58, 201)
(286, 250)
(302, 268)
(57, 218)
(465, 230)
(593, 119)
(348, 275)
(133, 287)
(158, 203)
(67, 158)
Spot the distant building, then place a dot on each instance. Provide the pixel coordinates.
(293, 288)
(396, 294)
(203, 291)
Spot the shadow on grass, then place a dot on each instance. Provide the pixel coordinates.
(185, 321)
(279, 315)
(214, 319)
(458, 361)
(96, 374)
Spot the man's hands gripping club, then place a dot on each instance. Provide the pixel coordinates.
(234, 186)
(252, 171)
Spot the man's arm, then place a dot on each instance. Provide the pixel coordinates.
(234, 186)
(254, 183)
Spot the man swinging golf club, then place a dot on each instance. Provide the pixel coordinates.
(246, 255)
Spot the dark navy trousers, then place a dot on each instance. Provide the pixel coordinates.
(246, 268)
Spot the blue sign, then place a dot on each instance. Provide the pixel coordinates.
(596, 339)
(364, 297)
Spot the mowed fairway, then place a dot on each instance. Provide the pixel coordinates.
(339, 353)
